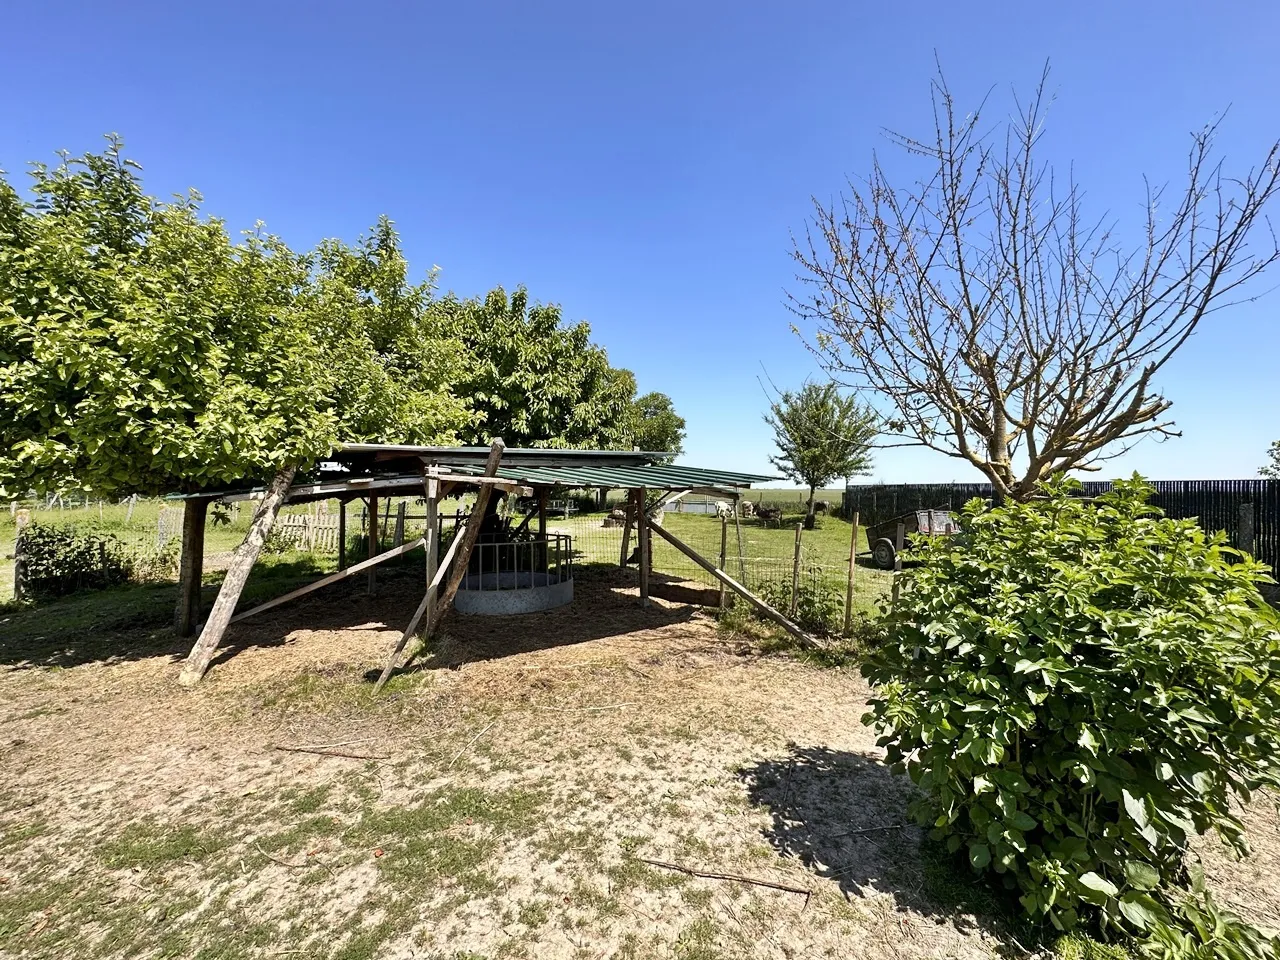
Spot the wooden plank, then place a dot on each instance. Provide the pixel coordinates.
(737, 528)
(242, 562)
(331, 578)
(194, 513)
(736, 587)
(428, 603)
(724, 549)
(898, 541)
(471, 534)
(499, 482)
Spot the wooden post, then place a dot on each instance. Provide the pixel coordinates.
(342, 534)
(737, 526)
(626, 528)
(471, 535)
(399, 537)
(724, 549)
(542, 530)
(1244, 530)
(898, 540)
(853, 566)
(642, 534)
(373, 542)
(242, 562)
(21, 519)
(432, 537)
(191, 569)
(795, 571)
(737, 588)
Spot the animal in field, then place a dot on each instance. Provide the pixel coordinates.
(746, 508)
(724, 510)
(769, 515)
(822, 506)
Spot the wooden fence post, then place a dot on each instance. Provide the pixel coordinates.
(795, 572)
(724, 549)
(626, 528)
(342, 534)
(853, 566)
(20, 592)
(399, 537)
(646, 546)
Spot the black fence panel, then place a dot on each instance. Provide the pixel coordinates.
(1215, 504)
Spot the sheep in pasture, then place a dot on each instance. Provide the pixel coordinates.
(724, 510)
(746, 508)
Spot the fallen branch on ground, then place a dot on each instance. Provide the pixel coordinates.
(710, 875)
(469, 744)
(325, 752)
(887, 826)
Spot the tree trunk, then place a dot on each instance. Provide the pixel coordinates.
(242, 562)
(192, 566)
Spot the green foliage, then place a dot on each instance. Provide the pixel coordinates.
(1078, 688)
(140, 349)
(532, 381)
(1272, 467)
(1199, 929)
(819, 602)
(1077, 946)
(58, 561)
(821, 436)
(653, 424)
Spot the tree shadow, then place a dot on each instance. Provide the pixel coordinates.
(605, 605)
(844, 816)
(135, 621)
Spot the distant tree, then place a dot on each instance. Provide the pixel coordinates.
(821, 436)
(655, 425)
(1272, 469)
(531, 380)
(998, 324)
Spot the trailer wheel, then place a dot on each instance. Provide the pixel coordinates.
(883, 554)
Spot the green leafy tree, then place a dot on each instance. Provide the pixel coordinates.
(531, 380)
(655, 425)
(1079, 688)
(142, 350)
(821, 436)
(1272, 468)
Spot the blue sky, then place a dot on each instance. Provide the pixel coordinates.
(644, 165)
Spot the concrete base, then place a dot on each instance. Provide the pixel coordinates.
(502, 594)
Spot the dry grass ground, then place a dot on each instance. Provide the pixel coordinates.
(501, 800)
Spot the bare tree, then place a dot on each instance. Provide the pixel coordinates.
(1000, 325)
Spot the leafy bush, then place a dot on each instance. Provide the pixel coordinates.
(58, 560)
(819, 603)
(1078, 688)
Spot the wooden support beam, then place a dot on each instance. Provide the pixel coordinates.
(646, 545)
(194, 513)
(737, 527)
(342, 534)
(242, 562)
(428, 603)
(371, 528)
(795, 571)
(724, 549)
(736, 587)
(470, 535)
(331, 578)
(510, 486)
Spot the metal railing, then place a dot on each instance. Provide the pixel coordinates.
(520, 565)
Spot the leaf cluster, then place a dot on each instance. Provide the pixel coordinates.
(57, 561)
(1079, 688)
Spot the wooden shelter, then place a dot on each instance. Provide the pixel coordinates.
(367, 472)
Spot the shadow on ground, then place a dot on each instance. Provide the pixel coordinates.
(605, 605)
(844, 816)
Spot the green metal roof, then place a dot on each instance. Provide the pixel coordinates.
(658, 476)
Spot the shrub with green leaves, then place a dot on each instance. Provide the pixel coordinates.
(1078, 688)
(819, 604)
(59, 560)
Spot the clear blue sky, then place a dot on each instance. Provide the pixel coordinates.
(643, 165)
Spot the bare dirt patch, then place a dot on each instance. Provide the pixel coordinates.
(518, 778)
